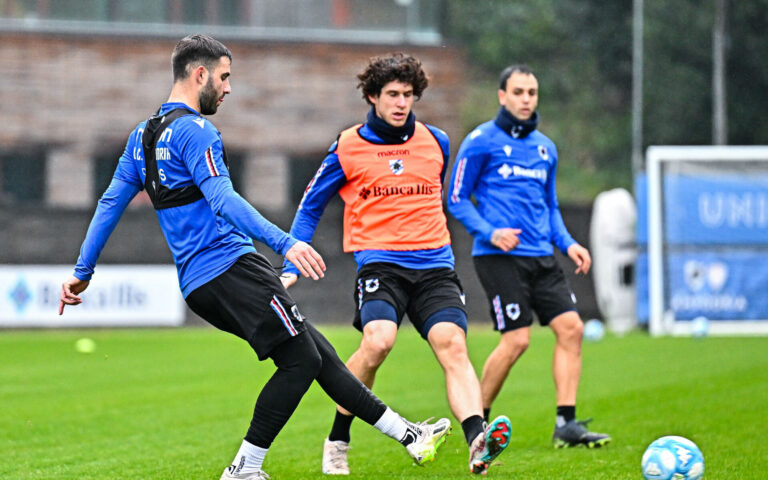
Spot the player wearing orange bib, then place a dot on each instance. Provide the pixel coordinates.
(389, 172)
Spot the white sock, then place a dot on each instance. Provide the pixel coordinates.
(392, 425)
(248, 459)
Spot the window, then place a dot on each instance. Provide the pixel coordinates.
(369, 21)
(104, 165)
(22, 175)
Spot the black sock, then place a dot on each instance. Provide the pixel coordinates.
(566, 412)
(472, 426)
(486, 414)
(340, 428)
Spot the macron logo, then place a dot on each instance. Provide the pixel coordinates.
(200, 122)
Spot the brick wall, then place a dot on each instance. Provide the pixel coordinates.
(80, 96)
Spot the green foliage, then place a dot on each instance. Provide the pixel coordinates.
(748, 72)
(174, 404)
(581, 51)
(584, 70)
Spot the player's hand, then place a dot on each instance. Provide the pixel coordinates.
(288, 279)
(506, 238)
(580, 257)
(69, 290)
(307, 260)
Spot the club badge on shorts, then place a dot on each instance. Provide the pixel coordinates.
(513, 311)
(371, 285)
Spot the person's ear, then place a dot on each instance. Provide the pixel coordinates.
(201, 75)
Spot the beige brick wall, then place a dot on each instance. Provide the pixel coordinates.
(78, 94)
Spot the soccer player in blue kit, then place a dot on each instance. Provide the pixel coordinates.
(509, 167)
(177, 155)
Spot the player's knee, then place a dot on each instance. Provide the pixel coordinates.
(515, 343)
(568, 328)
(453, 345)
(375, 349)
(519, 346)
(299, 355)
(578, 330)
(448, 341)
(312, 364)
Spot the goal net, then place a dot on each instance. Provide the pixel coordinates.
(707, 237)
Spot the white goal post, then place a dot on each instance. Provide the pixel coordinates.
(707, 238)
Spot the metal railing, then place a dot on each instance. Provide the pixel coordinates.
(356, 21)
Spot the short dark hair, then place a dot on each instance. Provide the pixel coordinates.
(507, 72)
(394, 67)
(196, 50)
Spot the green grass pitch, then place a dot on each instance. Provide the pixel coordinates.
(174, 404)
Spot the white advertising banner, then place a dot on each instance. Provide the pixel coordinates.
(118, 296)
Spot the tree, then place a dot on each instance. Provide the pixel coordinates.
(582, 54)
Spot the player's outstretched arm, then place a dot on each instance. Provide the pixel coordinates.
(70, 290)
(109, 209)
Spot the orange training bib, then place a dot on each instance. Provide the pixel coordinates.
(393, 194)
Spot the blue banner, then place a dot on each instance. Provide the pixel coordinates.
(718, 285)
(715, 209)
(715, 246)
(641, 284)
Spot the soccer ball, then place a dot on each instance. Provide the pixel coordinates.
(699, 327)
(672, 458)
(594, 330)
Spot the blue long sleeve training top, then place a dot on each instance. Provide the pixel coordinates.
(205, 237)
(329, 179)
(513, 181)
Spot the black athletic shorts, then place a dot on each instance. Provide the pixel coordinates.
(419, 293)
(248, 300)
(517, 287)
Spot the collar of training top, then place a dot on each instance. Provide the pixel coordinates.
(388, 133)
(514, 126)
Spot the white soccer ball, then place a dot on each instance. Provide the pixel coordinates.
(672, 458)
(699, 327)
(594, 331)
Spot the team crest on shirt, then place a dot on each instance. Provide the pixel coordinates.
(396, 166)
(371, 285)
(513, 311)
(543, 153)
